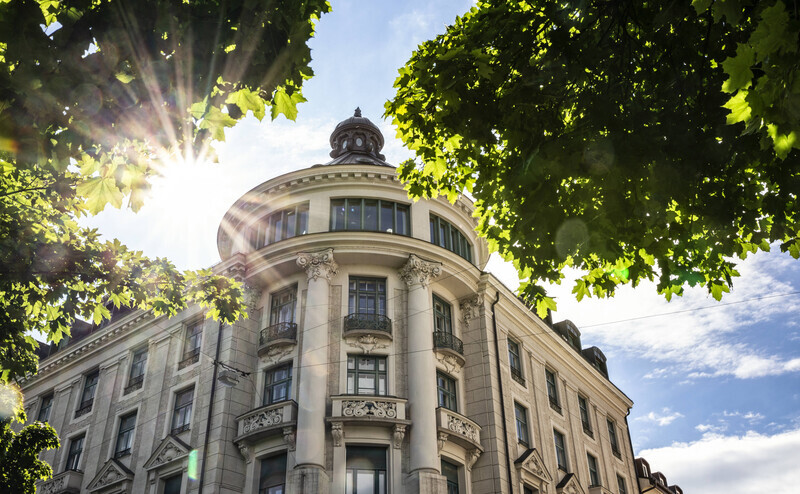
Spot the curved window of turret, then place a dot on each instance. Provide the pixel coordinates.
(372, 215)
(280, 225)
(448, 236)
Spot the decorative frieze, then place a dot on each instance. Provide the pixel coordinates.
(366, 343)
(262, 419)
(53, 486)
(369, 408)
(460, 426)
(318, 264)
(451, 363)
(419, 271)
(459, 429)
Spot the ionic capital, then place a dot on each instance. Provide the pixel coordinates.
(318, 264)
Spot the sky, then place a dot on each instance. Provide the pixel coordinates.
(715, 385)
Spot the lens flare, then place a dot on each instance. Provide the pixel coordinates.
(192, 468)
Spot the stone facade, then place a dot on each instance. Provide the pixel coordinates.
(372, 329)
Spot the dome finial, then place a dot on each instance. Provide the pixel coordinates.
(357, 113)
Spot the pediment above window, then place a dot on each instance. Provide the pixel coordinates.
(531, 463)
(112, 477)
(170, 450)
(569, 485)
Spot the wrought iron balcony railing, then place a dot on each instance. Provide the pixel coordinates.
(449, 341)
(517, 375)
(278, 331)
(85, 408)
(554, 404)
(367, 322)
(134, 384)
(588, 430)
(189, 358)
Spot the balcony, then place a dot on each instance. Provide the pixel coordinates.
(84, 408)
(458, 429)
(134, 384)
(587, 429)
(516, 374)
(69, 481)
(554, 404)
(266, 421)
(189, 358)
(374, 324)
(449, 344)
(362, 408)
(282, 333)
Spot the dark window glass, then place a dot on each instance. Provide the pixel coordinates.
(528, 490)
(594, 477)
(138, 363)
(450, 472)
(182, 414)
(374, 215)
(127, 425)
(172, 485)
(74, 455)
(446, 390)
(366, 470)
(367, 296)
(45, 407)
(366, 375)
(584, 408)
(552, 390)
(281, 225)
(521, 414)
(514, 361)
(561, 450)
(87, 396)
(194, 338)
(442, 320)
(282, 306)
(273, 475)
(612, 437)
(448, 236)
(623, 489)
(278, 384)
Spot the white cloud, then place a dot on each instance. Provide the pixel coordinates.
(695, 335)
(718, 464)
(664, 418)
(711, 428)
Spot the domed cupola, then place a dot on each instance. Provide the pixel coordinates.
(357, 140)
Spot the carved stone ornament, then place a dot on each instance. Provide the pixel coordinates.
(398, 435)
(169, 453)
(535, 465)
(52, 487)
(417, 270)
(569, 485)
(470, 307)
(338, 433)
(263, 419)
(318, 264)
(458, 426)
(289, 438)
(276, 354)
(451, 364)
(245, 451)
(369, 408)
(442, 438)
(170, 449)
(472, 457)
(366, 343)
(111, 473)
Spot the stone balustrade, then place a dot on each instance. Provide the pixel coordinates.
(69, 481)
(458, 429)
(266, 421)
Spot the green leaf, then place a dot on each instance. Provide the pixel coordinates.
(782, 143)
(544, 303)
(100, 313)
(285, 104)
(246, 100)
(738, 69)
(99, 191)
(717, 289)
(740, 109)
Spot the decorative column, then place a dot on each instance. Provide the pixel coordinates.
(310, 440)
(425, 464)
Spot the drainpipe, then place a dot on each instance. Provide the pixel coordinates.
(633, 456)
(502, 399)
(210, 410)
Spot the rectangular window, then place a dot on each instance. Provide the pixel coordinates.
(367, 296)
(172, 485)
(280, 225)
(521, 415)
(366, 375)
(584, 409)
(136, 376)
(127, 425)
(442, 320)
(528, 490)
(372, 215)
(446, 390)
(182, 414)
(282, 306)
(450, 472)
(278, 384)
(45, 407)
(87, 397)
(594, 476)
(623, 489)
(612, 437)
(552, 390)
(273, 475)
(561, 450)
(75, 451)
(514, 362)
(448, 236)
(366, 470)
(191, 345)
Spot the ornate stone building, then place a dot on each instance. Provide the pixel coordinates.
(378, 357)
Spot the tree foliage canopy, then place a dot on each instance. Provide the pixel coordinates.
(96, 96)
(630, 140)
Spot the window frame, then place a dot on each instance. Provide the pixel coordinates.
(127, 433)
(86, 405)
(354, 295)
(270, 384)
(351, 473)
(586, 420)
(515, 361)
(170, 478)
(453, 482)
(594, 470)
(552, 389)
(443, 315)
(276, 314)
(440, 226)
(136, 381)
(562, 458)
(622, 486)
(45, 404)
(613, 439)
(346, 203)
(180, 410)
(281, 457)
(262, 233)
(356, 372)
(523, 432)
(192, 343)
(73, 456)
(445, 395)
